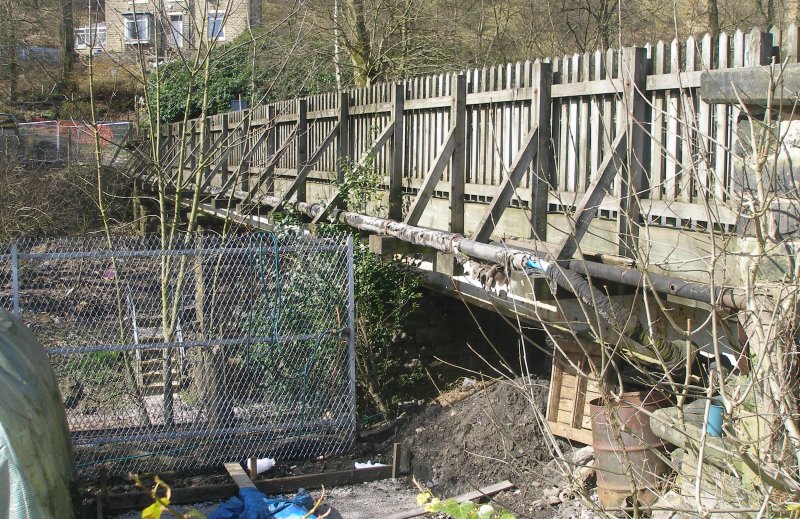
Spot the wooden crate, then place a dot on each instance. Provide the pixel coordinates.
(570, 394)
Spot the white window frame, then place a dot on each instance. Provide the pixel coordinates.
(132, 19)
(220, 33)
(173, 41)
(90, 36)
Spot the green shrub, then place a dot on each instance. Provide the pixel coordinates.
(229, 78)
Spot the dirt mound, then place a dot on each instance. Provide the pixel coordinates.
(491, 435)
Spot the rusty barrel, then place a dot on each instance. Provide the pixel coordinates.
(631, 449)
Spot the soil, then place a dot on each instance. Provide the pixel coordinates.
(475, 435)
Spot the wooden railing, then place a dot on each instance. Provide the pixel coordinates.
(532, 137)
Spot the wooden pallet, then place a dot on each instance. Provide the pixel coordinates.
(568, 402)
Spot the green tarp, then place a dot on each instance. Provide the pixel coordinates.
(35, 450)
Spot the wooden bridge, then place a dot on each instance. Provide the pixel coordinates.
(611, 164)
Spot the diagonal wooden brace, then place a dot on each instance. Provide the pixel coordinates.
(337, 198)
(587, 207)
(432, 178)
(305, 169)
(506, 190)
(249, 153)
(270, 167)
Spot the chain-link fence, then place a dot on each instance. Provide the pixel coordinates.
(73, 142)
(187, 356)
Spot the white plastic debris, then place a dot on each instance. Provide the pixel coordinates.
(368, 465)
(264, 464)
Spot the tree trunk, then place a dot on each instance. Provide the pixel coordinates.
(713, 18)
(8, 49)
(366, 70)
(67, 30)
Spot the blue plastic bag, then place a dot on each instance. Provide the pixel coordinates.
(253, 504)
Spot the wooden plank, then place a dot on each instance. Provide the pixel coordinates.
(499, 96)
(328, 479)
(563, 133)
(594, 134)
(343, 139)
(572, 136)
(554, 395)
(704, 157)
(632, 178)
(243, 168)
(583, 131)
(486, 491)
(427, 103)
(540, 119)
(398, 148)
(673, 127)
(579, 403)
(458, 162)
(272, 141)
(252, 467)
(299, 185)
(656, 128)
(721, 137)
(396, 451)
(376, 108)
(239, 476)
(565, 431)
(322, 114)
(674, 80)
(507, 188)
(593, 87)
(688, 130)
(181, 496)
(587, 207)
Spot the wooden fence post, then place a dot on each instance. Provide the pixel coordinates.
(193, 136)
(224, 143)
(758, 50)
(343, 142)
(271, 144)
(398, 148)
(634, 67)
(206, 149)
(540, 181)
(302, 144)
(244, 165)
(458, 163)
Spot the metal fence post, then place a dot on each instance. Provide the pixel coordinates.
(14, 279)
(351, 330)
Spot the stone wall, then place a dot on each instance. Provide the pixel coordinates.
(195, 22)
(444, 330)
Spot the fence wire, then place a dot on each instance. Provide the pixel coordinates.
(209, 350)
(72, 142)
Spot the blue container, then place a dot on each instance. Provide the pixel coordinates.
(714, 425)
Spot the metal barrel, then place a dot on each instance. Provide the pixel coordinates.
(629, 457)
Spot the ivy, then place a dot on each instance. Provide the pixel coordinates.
(229, 79)
(456, 510)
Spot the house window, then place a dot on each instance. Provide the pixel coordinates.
(215, 29)
(176, 30)
(138, 27)
(90, 36)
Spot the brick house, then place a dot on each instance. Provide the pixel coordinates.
(163, 27)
